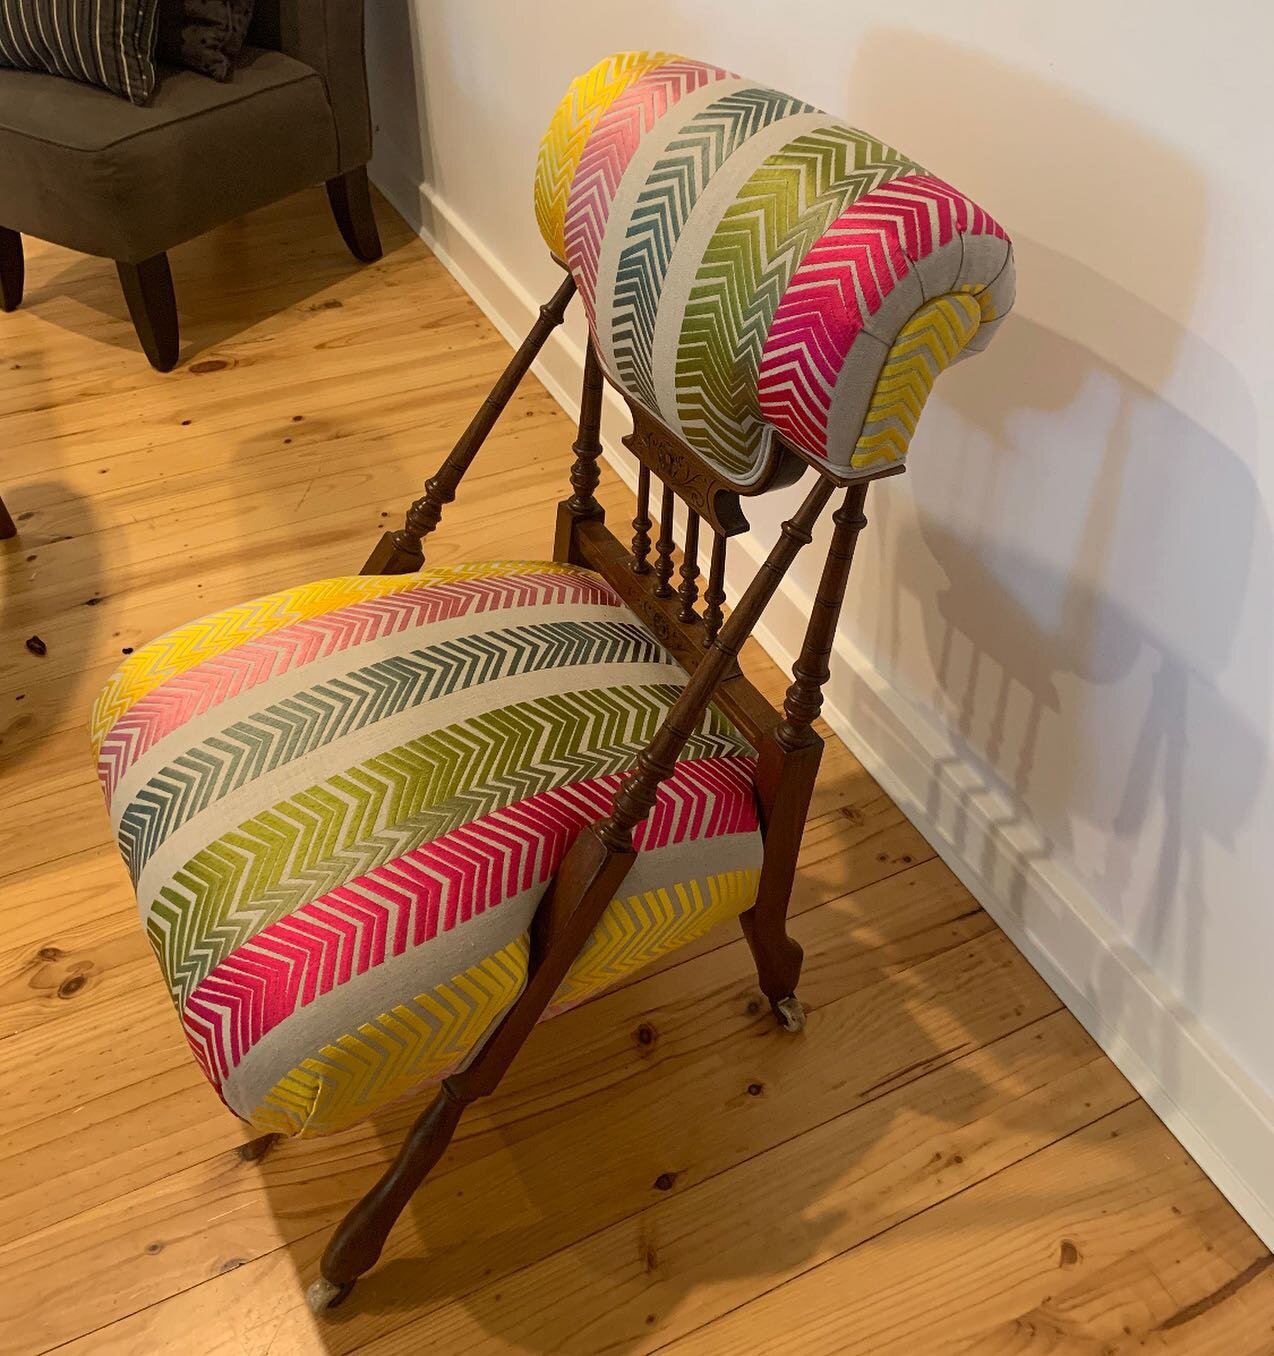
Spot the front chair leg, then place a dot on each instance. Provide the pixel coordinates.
(586, 882)
(785, 781)
(787, 770)
(12, 269)
(355, 1246)
(8, 528)
(351, 201)
(148, 290)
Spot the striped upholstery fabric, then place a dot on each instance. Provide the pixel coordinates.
(100, 43)
(752, 266)
(340, 805)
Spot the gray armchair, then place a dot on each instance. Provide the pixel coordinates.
(85, 169)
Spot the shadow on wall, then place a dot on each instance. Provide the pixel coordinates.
(1073, 529)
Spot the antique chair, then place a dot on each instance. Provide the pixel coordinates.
(380, 826)
(88, 170)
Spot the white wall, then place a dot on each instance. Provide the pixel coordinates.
(1058, 653)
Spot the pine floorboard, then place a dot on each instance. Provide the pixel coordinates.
(943, 1162)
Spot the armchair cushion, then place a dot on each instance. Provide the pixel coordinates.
(752, 266)
(95, 174)
(204, 35)
(341, 804)
(109, 46)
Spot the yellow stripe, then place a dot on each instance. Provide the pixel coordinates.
(400, 1051)
(587, 98)
(925, 347)
(197, 641)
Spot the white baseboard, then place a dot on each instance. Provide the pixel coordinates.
(1221, 1116)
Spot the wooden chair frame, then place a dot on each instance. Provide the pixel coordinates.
(705, 645)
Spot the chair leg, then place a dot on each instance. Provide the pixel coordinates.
(8, 528)
(12, 269)
(351, 201)
(148, 289)
(586, 882)
(788, 767)
(785, 783)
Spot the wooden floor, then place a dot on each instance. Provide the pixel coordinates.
(943, 1162)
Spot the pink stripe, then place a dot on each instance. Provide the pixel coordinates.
(353, 928)
(611, 145)
(841, 282)
(217, 680)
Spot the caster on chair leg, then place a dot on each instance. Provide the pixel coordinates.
(790, 1013)
(324, 1295)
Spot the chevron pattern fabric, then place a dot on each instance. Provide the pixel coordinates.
(340, 805)
(749, 264)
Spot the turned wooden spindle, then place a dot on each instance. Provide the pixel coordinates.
(582, 506)
(689, 590)
(642, 523)
(586, 475)
(714, 594)
(403, 551)
(804, 698)
(664, 546)
(636, 796)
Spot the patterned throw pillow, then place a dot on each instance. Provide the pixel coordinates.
(205, 35)
(107, 45)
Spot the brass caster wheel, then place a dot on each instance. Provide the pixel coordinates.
(323, 1295)
(790, 1013)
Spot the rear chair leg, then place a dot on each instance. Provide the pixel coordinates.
(351, 202)
(148, 290)
(403, 551)
(12, 269)
(787, 770)
(585, 884)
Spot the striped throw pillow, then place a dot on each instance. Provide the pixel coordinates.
(109, 43)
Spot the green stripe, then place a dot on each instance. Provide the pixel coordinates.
(346, 826)
(780, 212)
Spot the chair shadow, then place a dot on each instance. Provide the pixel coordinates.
(1068, 527)
(227, 281)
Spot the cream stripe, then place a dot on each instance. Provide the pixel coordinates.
(313, 768)
(400, 978)
(721, 190)
(304, 676)
(652, 147)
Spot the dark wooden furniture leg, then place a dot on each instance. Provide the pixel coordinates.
(8, 528)
(12, 269)
(587, 882)
(789, 760)
(351, 201)
(148, 289)
(588, 879)
(402, 552)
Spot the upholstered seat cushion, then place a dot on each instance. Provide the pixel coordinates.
(341, 804)
(87, 170)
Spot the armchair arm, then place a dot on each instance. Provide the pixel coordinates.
(326, 35)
